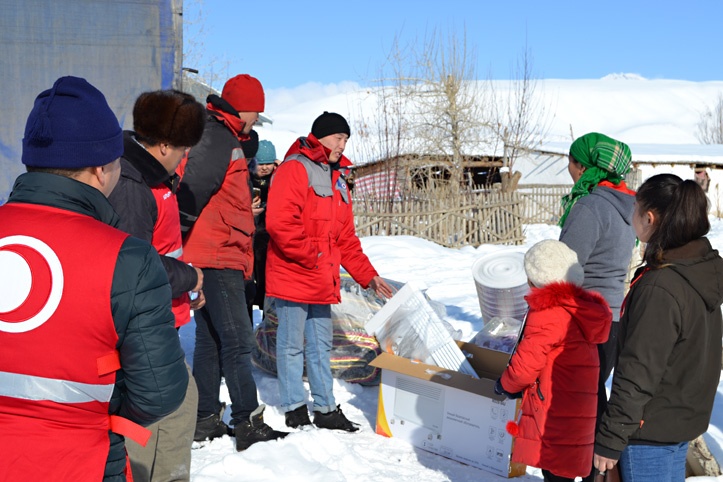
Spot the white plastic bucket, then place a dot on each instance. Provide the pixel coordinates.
(501, 284)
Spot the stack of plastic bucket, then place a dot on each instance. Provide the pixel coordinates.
(501, 285)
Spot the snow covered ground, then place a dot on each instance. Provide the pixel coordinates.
(629, 108)
(331, 456)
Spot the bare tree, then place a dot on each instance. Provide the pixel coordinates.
(521, 119)
(210, 69)
(382, 133)
(450, 120)
(443, 113)
(381, 136)
(432, 101)
(710, 127)
(383, 130)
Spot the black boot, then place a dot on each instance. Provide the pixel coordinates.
(334, 421)
(210, 427)
(298, 417)
(255, 430)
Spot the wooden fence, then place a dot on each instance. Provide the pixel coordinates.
(541, 203)
(480, 218)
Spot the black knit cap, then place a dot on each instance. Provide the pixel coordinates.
(329, 123)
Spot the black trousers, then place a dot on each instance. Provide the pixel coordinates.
(550, 477)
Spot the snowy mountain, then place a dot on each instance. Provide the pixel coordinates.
(625, 106)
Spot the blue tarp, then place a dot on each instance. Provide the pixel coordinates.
(123, 47)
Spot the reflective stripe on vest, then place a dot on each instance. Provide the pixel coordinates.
(29, 387)
(175, 254)
(320, 177)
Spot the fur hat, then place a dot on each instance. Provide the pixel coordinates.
(552, 261)
(169, 116)
(71, 126)
(329, 123)
(244, 93)
(266, 153)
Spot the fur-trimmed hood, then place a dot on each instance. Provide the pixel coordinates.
(588, 308)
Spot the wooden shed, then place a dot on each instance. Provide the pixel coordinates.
(392, 177)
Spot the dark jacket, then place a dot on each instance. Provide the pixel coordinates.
(133, 201)
(153, 378)
(599, 229)
(214, 199)
(262, 183)
(556, 364)
(261, 238)
(668, 369)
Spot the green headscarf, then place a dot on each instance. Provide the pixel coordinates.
(604, 159)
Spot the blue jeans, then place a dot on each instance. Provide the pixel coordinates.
(224, 339)
(299, 322)
(651, 463)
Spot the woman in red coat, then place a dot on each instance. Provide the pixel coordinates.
(556, 365)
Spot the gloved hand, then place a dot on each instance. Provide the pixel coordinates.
(499, 390)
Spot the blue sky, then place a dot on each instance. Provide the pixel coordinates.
(289, 43)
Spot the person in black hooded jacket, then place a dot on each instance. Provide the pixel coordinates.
(668, 367)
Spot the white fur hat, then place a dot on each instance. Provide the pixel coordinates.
(549, 261)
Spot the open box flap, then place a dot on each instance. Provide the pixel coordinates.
(483, 386)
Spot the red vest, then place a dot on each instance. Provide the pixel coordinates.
(167, 241)
(57, 343)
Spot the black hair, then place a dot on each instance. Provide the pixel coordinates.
(681, 211)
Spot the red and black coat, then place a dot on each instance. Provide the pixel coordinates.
(145, 200)
(134, 294)
(556, 365)
(214, 199)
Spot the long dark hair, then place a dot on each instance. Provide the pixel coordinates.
(681, 210)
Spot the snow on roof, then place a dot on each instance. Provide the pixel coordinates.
(658, 153)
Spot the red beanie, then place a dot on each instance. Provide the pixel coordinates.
(244, 93)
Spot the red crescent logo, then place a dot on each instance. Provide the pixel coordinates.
(31, 283)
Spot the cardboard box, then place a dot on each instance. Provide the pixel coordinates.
(449, 413)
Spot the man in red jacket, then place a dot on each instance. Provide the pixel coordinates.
(214, 199)
(310, 222)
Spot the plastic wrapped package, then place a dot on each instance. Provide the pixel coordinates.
(499, 333)
(409, 327)
(352, 347)
(501, 285)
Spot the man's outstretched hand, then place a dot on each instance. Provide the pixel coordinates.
(381, 287)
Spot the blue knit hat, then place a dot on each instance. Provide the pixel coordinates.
(266, 153)
(71, 126)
